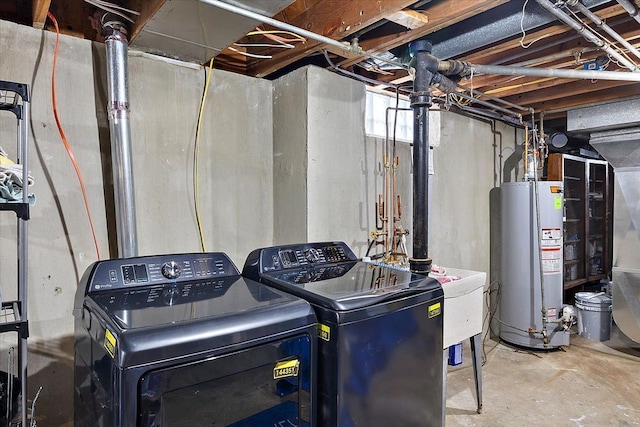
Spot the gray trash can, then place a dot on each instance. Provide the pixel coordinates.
(594, 315)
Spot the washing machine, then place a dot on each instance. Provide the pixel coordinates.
(380, 333)
(183, 339)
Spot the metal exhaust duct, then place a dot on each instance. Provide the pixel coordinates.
(120, 129)
(621, 148)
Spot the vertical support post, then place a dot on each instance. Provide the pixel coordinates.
(425, 66)
(23, 252)
(120, 129)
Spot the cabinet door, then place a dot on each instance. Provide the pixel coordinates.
(597, 220)
(574, 224)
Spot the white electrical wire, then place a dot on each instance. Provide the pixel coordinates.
(282, 46)
(250, 55)
(115, 6)
(524, 34)
(107, 8)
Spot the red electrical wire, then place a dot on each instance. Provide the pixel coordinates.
(62, 134)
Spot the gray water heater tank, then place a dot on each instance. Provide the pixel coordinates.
(520, 297)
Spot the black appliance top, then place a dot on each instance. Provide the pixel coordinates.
(160, 302)
(328, 274)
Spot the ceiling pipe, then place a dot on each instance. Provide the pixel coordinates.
(606, 28)
(587, 34)
(464, 68)
(120, 130)
(488, 104)
(631, 9)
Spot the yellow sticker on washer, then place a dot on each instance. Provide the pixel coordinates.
(434, 310)
(110, 343)
(557, 202)
(288, 368)
(324, 332)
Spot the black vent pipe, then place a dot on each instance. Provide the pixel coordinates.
(425, 66)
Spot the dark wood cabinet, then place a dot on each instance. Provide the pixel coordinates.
(587, 217)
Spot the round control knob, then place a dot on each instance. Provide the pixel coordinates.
(171, 270)
(312, 255)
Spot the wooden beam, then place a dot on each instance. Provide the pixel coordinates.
(440, 15)
(622, 91)
(147, 9)
(409, 19)
(333, 19)
(565, 91)
(491, 82)
(295, 9)
(40, 9)
(552, 35)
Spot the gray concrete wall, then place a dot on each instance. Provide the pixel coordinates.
(336, 173)
(319, 168)
(236, 186)
(294, 169)
(290, 159)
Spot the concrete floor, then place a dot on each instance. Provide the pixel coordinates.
(588, 383)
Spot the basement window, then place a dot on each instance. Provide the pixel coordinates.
(375, 120)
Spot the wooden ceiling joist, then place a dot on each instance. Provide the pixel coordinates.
(332, 19)
(40, 9)
(440, 16)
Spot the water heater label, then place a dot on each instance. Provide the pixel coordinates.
(551, 237)
(551, 260)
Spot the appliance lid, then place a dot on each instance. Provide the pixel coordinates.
(169, 304)
(351, 285)
(153, 324)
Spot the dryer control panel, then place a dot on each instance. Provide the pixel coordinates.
(154, 270)
(299, 256)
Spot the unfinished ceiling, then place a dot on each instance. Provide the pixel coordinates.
(478, 31)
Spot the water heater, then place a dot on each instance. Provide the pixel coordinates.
(530, 253)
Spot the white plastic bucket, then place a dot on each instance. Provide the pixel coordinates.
(594, 315)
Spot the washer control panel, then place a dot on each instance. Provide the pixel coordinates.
(154, 270)
(303, 255)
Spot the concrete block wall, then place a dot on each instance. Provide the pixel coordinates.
(236, 187)
(319, 175)
(280, 162)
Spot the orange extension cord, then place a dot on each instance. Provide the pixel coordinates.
(62, 134)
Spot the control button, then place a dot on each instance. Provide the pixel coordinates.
(171, 270)
(312, 255)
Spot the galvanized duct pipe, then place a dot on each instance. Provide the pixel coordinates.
(120, 129)
(587, 34)
(631, 9)
(600, 23)
(464, 68)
